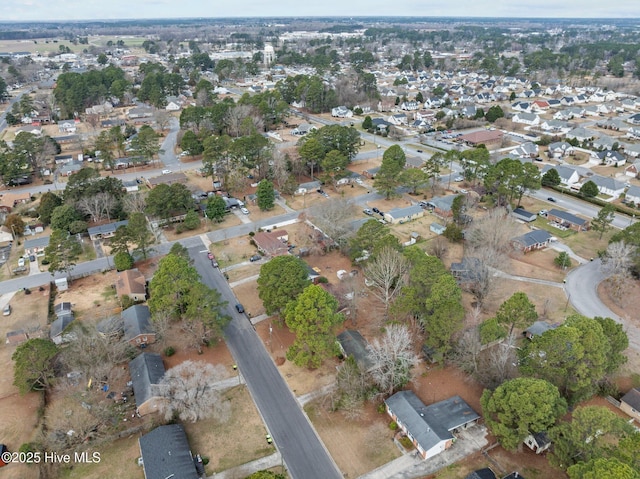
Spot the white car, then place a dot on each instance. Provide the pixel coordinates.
(21, 263)
(244, 210)
(166, 172)
(458, 178)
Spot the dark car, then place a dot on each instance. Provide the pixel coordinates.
(239, 308)
(214, 263)
(552, 199)
(376, 210)
(255, 257)
(381, 213)
(419, 151)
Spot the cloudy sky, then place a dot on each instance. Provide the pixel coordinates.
(21, 10)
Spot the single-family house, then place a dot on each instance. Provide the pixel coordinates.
(559, 149)
(273, 243)
(131, 283)
(302, 129)
(353, 344)
(105, 231)
(632, 195)
(469, 270)
(538, 442)
(604, 142)
(555, 126)
(532, 240)
(341, 112)
(525, 150)
(140, 112)
(137, 326)
(36, 245)
(398, 119)
(431, 428)
(441, 205)
(404, 215)
(485, 473)
(371, 172)
(581, 134)
(410, 105)
(632, 150)
(568, 176)
(63, 308)
(9, 200)
(165, 454)
(523, 215)
(68, 169)
(67, 126)
(538, 328)
(57, 328)
(608, 186)
(567, 220)
(610, 158)
(530, 119)
(130, 186)
(146, 370)
(168, 179)
(630, 403)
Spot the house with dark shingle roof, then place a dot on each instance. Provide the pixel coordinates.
(568, 220)
(146, 370)
(630, 403)
(166, 454)
(532, 240)
(137, 326)
(105, 231)
(353, 344)
(432, 428)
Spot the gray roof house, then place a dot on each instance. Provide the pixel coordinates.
(146, 370)
(633, 195)
(432, 428)
(532, 240)
(403, 215)
(568, 220)
(56, 331)
(608, 186)
(137, 325)
(568, 176)
(105, 231)
(353, 344)
(36, 245)
(165, 453)
(630, 403)
(538, 328)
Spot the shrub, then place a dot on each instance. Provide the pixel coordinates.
(252, 233)
(382, 408)
(393, 425)
(170, 351)
(126, 301)
(323, 280)
(406, 442)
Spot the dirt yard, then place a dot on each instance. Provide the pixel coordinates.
(92, 298)
(20, 413)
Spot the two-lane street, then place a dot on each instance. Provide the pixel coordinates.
(304, 453)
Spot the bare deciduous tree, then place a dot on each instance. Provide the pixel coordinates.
(98, 206)
(439, 247)
(352, 388)
(618, 258)
(466, 354)
(387, 270)
(334, 219)
(619, 286)
(189, 392)
(234, 118)
(499, 364)
(134, 202)
(393, 358)
(163, 119)
(493, 232)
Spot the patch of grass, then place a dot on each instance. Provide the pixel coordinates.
(588, 243)
(117, 459)
(543, 224)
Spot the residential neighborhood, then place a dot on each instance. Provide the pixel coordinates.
(320, 248)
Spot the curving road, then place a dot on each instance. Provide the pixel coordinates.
(582, 290)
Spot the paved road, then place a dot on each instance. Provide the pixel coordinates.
(304, 454)
(581, 287)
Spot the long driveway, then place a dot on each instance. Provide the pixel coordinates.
(304, 453)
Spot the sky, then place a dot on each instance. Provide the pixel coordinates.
(43, 10)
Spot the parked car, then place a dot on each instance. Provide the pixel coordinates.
(255, 257)
(359, 181)
(244, 210)
(381, 213)
(367, 211)
(32, 258)
(21, 263)
(239, 308)
(376, 210)
(543, 213)
(420, 151)
(7, 310)
(458, 178)
(166, 172)
(552, 199)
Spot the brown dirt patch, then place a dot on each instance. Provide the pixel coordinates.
(92, 297)
(536, 264)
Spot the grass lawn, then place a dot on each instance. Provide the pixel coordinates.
(117, 459)
(224, 443)
(588, 243)
(543, 224)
